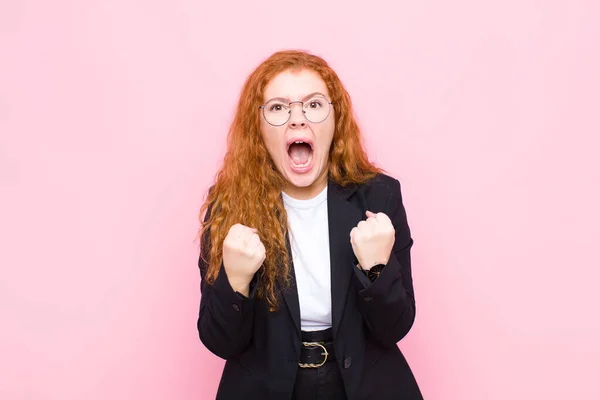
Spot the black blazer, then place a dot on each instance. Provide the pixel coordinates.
(369, 319)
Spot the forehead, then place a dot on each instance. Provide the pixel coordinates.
(294, 85)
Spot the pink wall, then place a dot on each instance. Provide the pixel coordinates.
(112, 123)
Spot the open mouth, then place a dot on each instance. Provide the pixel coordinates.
(301, 155)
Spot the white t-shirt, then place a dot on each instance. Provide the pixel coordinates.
(309, 241)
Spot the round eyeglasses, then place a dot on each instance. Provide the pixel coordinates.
(277, 112)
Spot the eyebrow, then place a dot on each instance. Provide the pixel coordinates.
(287, 99)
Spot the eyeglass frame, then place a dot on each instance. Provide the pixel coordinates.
(303, 112)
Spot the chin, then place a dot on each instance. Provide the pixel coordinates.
(302, 180)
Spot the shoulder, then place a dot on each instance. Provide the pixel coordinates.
(381, 193)
(381, 185)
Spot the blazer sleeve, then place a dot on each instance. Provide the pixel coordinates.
(226, 316)
(388, 303)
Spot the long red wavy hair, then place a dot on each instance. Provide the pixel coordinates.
(248, 186)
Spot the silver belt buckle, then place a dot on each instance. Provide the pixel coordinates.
(311, 365)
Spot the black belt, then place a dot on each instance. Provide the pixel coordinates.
(317, 349)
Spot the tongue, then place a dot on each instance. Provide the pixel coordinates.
(299, 153)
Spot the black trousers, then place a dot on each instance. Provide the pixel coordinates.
(323, 383)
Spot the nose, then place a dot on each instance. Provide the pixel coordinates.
(297, 119)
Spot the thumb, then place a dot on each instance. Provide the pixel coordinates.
(370, 214)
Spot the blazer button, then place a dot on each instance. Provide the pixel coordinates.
(368, 298)
(236, 307)
(347, 362)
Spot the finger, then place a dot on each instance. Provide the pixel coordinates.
(237, 230)
(368, 227)
(259, 252)
(370, 214)
(260, 248)
(382, 217)
(253, 241)
(233, 234)
(372, 222)
(250, 232)
(233, 229)
(246, 235)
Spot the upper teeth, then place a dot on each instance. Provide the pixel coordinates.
(300, 142)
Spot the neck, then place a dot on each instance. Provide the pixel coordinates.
(307, 192)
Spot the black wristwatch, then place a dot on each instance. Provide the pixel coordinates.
(374, 272)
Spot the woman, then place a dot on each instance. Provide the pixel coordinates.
(305, 248)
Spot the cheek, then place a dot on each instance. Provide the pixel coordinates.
(272, 141)
(326, 135)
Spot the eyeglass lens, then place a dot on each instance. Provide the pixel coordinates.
(316, 110)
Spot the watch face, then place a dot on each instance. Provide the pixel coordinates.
(375, 271)
(373, 274)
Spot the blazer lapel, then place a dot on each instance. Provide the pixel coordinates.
(342, 216)
(290, 294)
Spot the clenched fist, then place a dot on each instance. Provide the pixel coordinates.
(372, 240)
(243, 254)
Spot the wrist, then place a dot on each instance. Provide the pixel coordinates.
(360, 266)
(242, 287)
(366, 267)
(240, 283)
